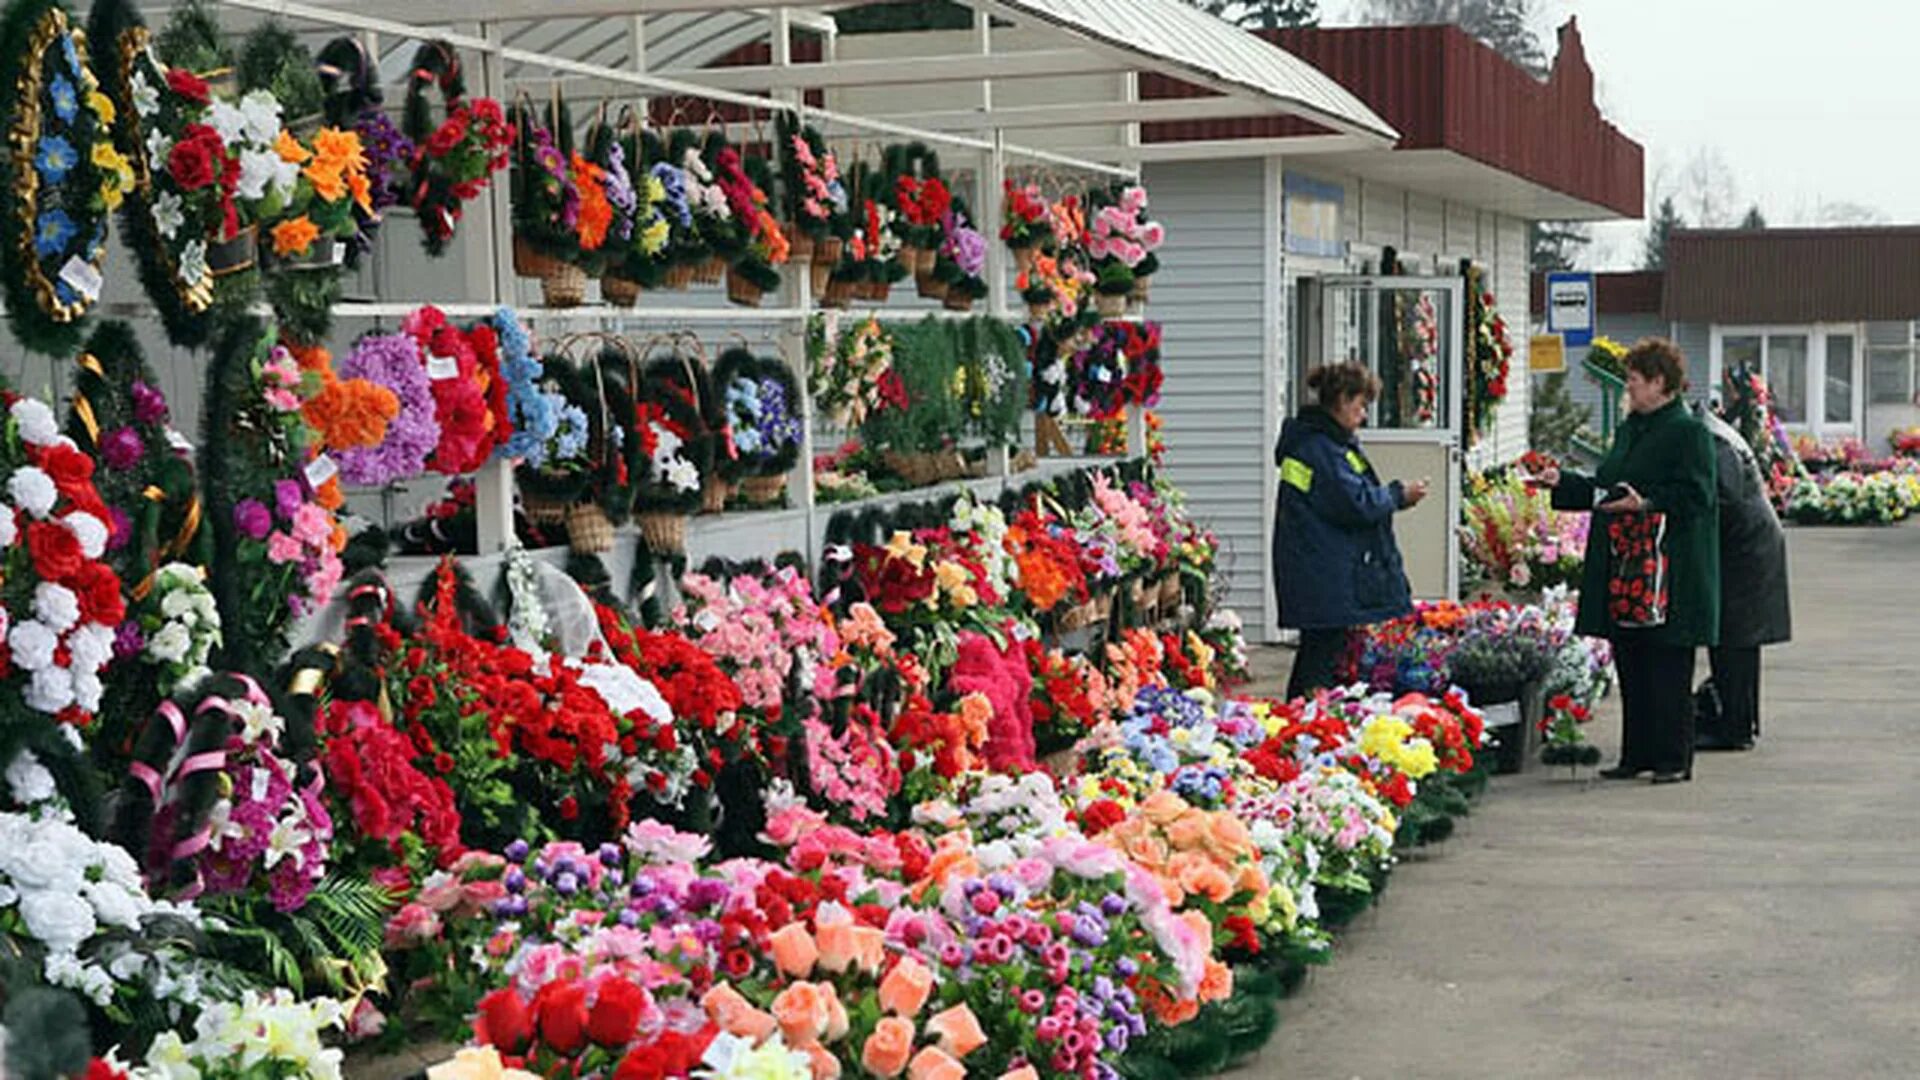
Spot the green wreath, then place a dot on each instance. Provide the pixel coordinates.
(62, 176)
(745, 386)
(673, 392)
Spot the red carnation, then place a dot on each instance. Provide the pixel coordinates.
(504, 1021)
(188, 85)
(72, 471)
(616, 1013)
(1101, 816)
(56, 551)
(447, 135)
(98, 588)
(562, 1008)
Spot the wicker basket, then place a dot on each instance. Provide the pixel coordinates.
(714, 491)
(589, 530)
(956, 300)
(741, 290)
(930, 287)
(761, 490)
(1078, 617)
(1023, 259)
(543, 509)
(663, 533)
(799, 244)
(821, 276)
(710, 272)
(619, 291)
(1142, 289)
(838, 294)
(1171, 594)
(918, 469)
(924, 260)
(1110, 305)
(678, 276)
(827, 252)
(564, 288)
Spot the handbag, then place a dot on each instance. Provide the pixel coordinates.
(1637, 570)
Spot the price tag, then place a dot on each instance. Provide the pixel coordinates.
(82, 277)
(440, 368)
(339, 252)
(320, 470)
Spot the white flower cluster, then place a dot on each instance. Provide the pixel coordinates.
(274, 1029)
(668, 463)
(188, 630)
(527, 622)
(987, 520)
(67, 888)
(1011, 817)
(703, 195)
(56, 621)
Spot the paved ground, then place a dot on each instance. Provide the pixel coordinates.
(1762, 921)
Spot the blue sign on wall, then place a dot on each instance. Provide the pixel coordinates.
(1310, 216)
(1571, 309)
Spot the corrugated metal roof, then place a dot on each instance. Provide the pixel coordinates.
(1793, 275)
(1635, 292)
(1445, 90)
(1164, 34)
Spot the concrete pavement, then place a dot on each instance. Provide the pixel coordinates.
(1762, 921)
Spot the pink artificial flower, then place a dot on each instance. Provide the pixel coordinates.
(282, 548)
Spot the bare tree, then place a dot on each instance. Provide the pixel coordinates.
(1507, 25)
(1263, 14)
(1707, 191)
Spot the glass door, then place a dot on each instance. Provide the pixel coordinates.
(1406, 330)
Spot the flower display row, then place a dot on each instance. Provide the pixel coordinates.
(1512, 539)
(1081, 257)
(1853, 498)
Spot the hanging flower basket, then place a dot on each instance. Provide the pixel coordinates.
(620, 292)
(679, 276)
(837, 294)
(827, 252)
(542, 509)
(589, 530)
(1142, 289)
(799, 243)
(565, 287)
(710, 272)
(762, 490)
(1171, 593)
(742, 290)
(235, 255)
(929, 286)
(663, 533)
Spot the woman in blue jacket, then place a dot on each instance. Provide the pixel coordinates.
(1334, 556)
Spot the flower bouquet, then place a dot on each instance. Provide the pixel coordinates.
(313, 206)
(759, 243)
(394, 363)
(849, 372)
(455, 161)
(1026, 225)
(560, 209)
(759, 429)
(715, 236)
(1513, 539)
(1562, 729)
(637, 234)
(1120, 240)
(673, 429)
(815, 200)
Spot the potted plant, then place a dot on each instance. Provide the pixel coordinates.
(548, 204)
(1495, 664)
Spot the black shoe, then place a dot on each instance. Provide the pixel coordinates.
(1622, 772)
(1716, 742)
(1672, 776)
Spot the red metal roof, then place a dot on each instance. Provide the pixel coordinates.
(1445, 90)
(1793, 275)
(1635, 292)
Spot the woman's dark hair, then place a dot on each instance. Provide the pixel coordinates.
(1658, 358)
(1335, 383)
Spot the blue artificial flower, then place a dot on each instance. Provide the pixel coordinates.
(66, 101)
(71, 54)
(56, 159)
(53, 233)
(570, 439)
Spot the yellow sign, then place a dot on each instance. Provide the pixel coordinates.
(1546, 353)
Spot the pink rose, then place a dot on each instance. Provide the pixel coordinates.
(282, 548)
(412, 925)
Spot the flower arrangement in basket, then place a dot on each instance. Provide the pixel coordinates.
(454, 161)
(678, 443)
(759, 430)
(923, 202)
(1120, 240)
(62, 176)
(560, 210)
(351, 97)
(1026, 223)
(685, 249)
(637, 235)
(761, 244)
(873, 258)
(814, 198)
(313, 208)
(561, 472)
(851, 374)
(959, 277)
(715, 238)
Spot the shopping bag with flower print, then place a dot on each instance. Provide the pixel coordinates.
(1637, 570)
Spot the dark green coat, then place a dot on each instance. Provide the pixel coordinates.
(1668, 457)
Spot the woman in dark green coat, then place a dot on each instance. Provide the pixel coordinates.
(1662, 461)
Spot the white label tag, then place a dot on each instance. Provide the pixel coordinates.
(82, 277)
(339, 252)
(1504, 714)
(442, 367)
(320, 470)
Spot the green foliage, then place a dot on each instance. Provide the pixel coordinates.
(48, 1032)
(1556, 418)
(330, 943)
(192, 39)
(302, 299)
(1665, 220)
(273, 59)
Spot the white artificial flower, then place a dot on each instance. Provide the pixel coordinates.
(51, 690)
(113, 904)
(56, 605)
(29, 780)
(90, 647)
(286, 840)
(169, 214)
(257, 720)
(228, 120)
(88, 690)
(256, 171)
(170, 645)
(176, 603)
(262, 114)
(32, 490)
(62, 920)
(681, 474)
(146, 97)
(193, 262)
(9, 527)
(89, 530)
(158, 147)
(32, 645)
(37, 423)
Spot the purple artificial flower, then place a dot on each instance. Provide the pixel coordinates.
(392, 361)
(119, 528)
(252, 518)
(122, 449)
(288, 497)
(149, 404)
(517, 851)
(128, 640)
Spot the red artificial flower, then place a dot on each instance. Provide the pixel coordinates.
(71, 470)
(562, 1011)
(1101, 816)
(616, 1013)
(672, 1056)
(448, 135)
(98, 589)
(196, 160)
(504, 1021)
(189, 86)
(57, 554)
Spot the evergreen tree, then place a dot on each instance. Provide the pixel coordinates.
(1665, 220)
(1557, 244)
(1556, 418)
(1263, 14)
(1754, 219)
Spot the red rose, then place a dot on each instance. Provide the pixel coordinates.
(188, 85)
(56, 551)
(447, 135)
(195, 161)
(562, 1007)
(616, 1013)
(98, 588)
(504, 1021)
(72, 471)
(1101, 816)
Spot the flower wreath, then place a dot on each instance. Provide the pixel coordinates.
(62, 176)
(392, 361)
(463, 371)
(452, 163)
(754, 403)
(560, 471)
(675, 434)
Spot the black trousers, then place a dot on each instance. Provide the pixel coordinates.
(1736, 675)
(1317, 662)
(1656, 703)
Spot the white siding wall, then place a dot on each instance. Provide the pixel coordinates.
(1210, 299)
(1507, 274)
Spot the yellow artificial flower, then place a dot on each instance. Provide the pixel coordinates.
(119, 174)
(102, 106)
(653, 239)
(901, 546)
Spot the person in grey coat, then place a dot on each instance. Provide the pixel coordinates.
(1755, 608)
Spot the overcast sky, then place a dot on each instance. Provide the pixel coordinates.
(1808, 104)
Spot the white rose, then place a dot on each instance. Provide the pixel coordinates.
(262, 114)
(51, 690)
(32, 490)
(9, 527)
(118, 867)
(229, 121)
(91, 646)
(176, 603)
(30, 781)
(170, 645)
(56, 605)
(89, 530)
(62, 920)
(32, 644)
(87, 690)
(113, 904)
(37, 423)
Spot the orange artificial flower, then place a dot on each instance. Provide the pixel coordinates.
(312, 358)
(886, 1051)
(330, 497)
(362, 189)
(339, 149)
(596, 212)
(802, 1013)
(735, 1015)
(295, 237)
(290, 150)
(778, 249)
(934, 1063)
(958, 1031)
(350, 413)
(905, 990)
(794, 951)
(329, 180)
